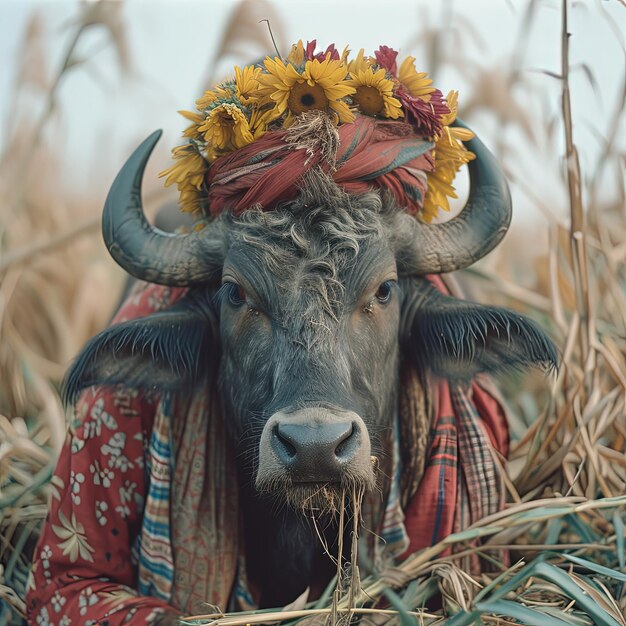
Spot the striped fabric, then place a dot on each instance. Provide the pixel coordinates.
(461, 481)
(461, 484)
(156, 563)
(393, 530)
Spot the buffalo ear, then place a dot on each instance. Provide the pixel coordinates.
(162, 351)
(457, 339)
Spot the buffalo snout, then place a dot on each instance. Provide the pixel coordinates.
(304, 451)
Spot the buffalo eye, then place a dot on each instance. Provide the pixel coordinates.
(236, 294)
(384, 291)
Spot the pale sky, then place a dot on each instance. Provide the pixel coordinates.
(104, 115)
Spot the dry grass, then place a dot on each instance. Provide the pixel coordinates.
(56, 290)
(564, 526)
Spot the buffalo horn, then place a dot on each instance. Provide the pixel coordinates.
(143, 250)
(476, 230)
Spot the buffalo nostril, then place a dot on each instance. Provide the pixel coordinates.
(285, 446)
(348, 446)
(344, 447)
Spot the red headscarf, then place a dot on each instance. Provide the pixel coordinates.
(370, 153)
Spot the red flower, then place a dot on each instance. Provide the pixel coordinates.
(386, 57)
(310, 55)
(425, 116)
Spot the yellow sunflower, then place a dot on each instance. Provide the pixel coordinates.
(296, 54)
(246, 83)
(319, 86)
(189, 167)
(210, 97)
(360, 63)
(373, 90)
(226, 127)
(188, 173)
(417, 83)
(196, 120)
(450, 155)
(190, 199)
(258, 122)
(452, 100)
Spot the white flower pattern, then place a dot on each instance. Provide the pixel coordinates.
(101, 508)
(77, 445)
(101, 475)
(113, 449)
(98, 418)
(76, 480)
(45, 555)
(126, 496)
(43, 618)
(58, 601)
(74, 542)
(86, 599)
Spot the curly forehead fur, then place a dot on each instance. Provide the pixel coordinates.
(316, 238)
(323, 216)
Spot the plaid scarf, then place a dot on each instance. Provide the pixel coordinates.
(444, 477)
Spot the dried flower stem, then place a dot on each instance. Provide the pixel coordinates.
(577, 216)
(240, 619)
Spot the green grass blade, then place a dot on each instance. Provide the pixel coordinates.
(555, 528)
(578, 619)
(492, 585)
(618, 524)
(557, 576)
(472, 533)
(403, 611)
(522, 613)
(419, 592)
(464, 618)
(568, 586)
(586, 533)
(595, 567)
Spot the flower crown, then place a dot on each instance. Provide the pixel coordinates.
(263, 98)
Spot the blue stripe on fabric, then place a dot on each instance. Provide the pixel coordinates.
(161, 448)
(397, 534)
(160, 569)
(353, 144)
(155, 490)
(393, 529)
(157, 529)
(156, 577)
(440, 501)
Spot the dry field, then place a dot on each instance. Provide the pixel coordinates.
(564, 524)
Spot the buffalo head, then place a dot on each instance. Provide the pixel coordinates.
(304, 314)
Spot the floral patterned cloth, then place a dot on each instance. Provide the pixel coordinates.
(85, 564)
(84, 570)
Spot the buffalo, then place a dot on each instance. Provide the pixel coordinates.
(305, 315)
